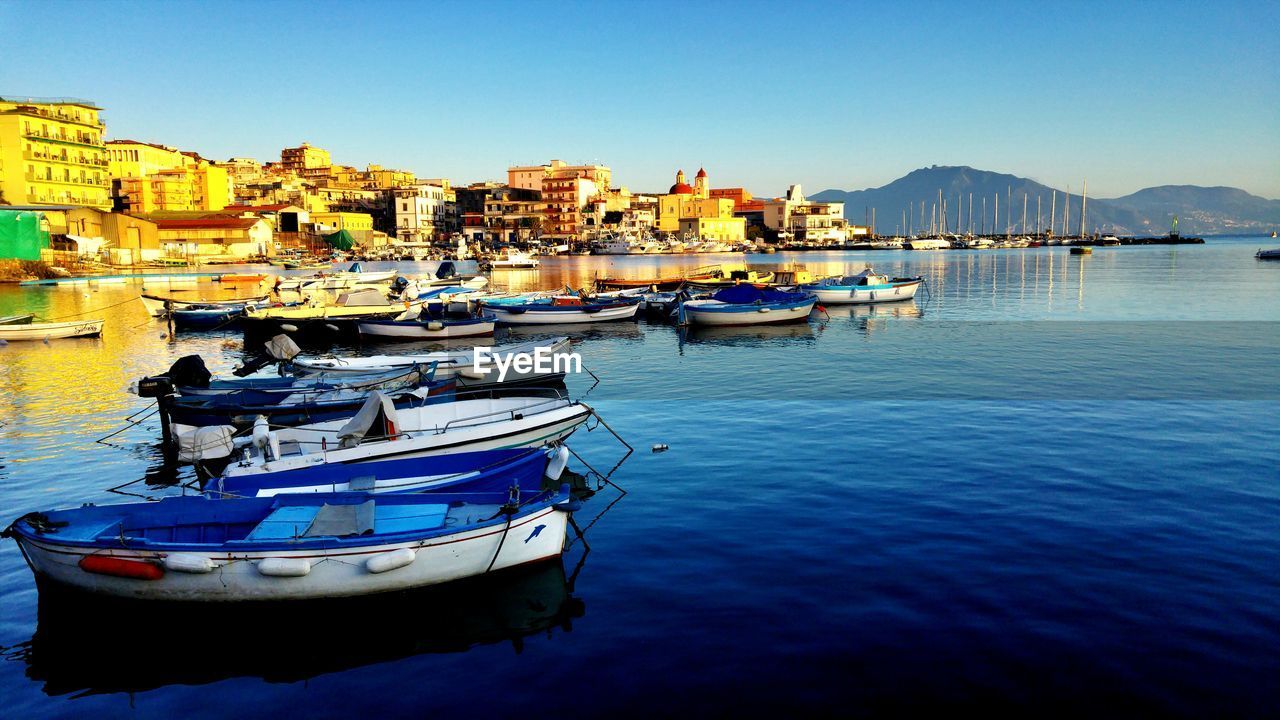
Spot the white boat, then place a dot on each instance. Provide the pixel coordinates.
(1268, 254)
(926, 244)
(560, 309)
(52, 331)
(866, 287)
(16, 319)
(748, 305)
(291, 546)
(512, 260)
(380, 431)
(155, 303)
(459, 364)
(353, 304)
(443, 328)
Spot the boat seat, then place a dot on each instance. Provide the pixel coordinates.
(403, 518)
(342, 520)
(89, 530)
(284, 523)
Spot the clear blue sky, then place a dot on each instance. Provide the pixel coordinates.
(845, 95)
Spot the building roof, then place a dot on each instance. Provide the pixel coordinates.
(258, 208)
(50, 101)
(158, 146)
(680, 189)
(701, 173)
(217, 223)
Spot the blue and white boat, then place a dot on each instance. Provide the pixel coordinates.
(484, 470)
(559, 309)
(747, 305)
(207, 317)
(428, 326)
(867, 286)
(291, 546)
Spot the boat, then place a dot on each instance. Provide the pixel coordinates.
(484, 470)
(559, 309)
(51, 330)
(155, 304)
(747, 305)
(291, 546)
(206, 317)
(513, 260)
(318, 316)
(382, 431)
(791, 277)
(471, 368)
(709, 272)
(1268, 254)
(736, 277)
(1109, 240)
(1081, 250)
(867, 286)
(433, 327)
(253, 279)
(926, 244)
(335, 281)
(16, 319)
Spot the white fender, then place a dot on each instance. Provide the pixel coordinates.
(261, 432)
(284, 567)
(435, 325)
(288, 327)
(382, 562)
(188, 563)
(557, 463)
(764, 309)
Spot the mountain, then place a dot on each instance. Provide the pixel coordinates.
(1146, 212)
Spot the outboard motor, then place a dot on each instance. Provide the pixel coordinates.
(398, 285)
(280, 348)
(189, 371)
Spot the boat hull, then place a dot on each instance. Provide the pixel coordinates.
(52, 331)
(863, 294)
(155, 304)
(412, 330)
(332, 572)
(711, 313)
(553, 315)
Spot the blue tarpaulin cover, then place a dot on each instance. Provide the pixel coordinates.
(746, 294)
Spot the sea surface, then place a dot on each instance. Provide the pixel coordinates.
(1049, 485)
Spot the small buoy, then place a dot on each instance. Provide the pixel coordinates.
(332, 327)
(383, 562)
(659, 447)
(557, 463)
(289, 328)
(188, 563)
(285, 567)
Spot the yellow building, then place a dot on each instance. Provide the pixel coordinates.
(51, 153)
(360, 225)
(156, 178)
(712, 217)
(305, 160)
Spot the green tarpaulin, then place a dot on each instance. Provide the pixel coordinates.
(20, 235)
(340, 240)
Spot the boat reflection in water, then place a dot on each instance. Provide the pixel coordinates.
(870, 318)
(619, 330)
(285, 642)
(749, 335)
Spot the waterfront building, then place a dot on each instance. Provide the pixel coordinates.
(214, 236)
(242, 171)
(359, 225)
(806, 220)
(564, 202)
(148, 177)
(706, 213)
(531, 177)
(52, 153)
(422, 212)
(124, 239)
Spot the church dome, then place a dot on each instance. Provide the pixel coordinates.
(681, 187)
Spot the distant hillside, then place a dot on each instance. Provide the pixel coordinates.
(1150, 211)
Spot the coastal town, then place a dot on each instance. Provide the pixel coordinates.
(70, 197)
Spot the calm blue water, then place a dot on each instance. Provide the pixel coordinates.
(1049, 486)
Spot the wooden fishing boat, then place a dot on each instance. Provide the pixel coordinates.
(16, 319)
(206, 317)
(253, 279)
(560, 309)
(291, 546)
(867, 286)
(736, 277)
(707, 273)
(52, 330)
(155, 304)
(438, 327)
(747, 305)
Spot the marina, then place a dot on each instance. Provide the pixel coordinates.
(1026, 328)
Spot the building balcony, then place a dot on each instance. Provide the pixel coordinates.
(66, 139)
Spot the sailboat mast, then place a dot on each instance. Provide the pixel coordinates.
(1008, 210)
(995, 219)
(970, 213)
(1053, 210)
(1084, 203)
(984, 214)
(1066, 214)
(1024, 213)
(1038, 199)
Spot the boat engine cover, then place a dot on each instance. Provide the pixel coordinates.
(189, 371)
(282, 347)
(155, 386)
